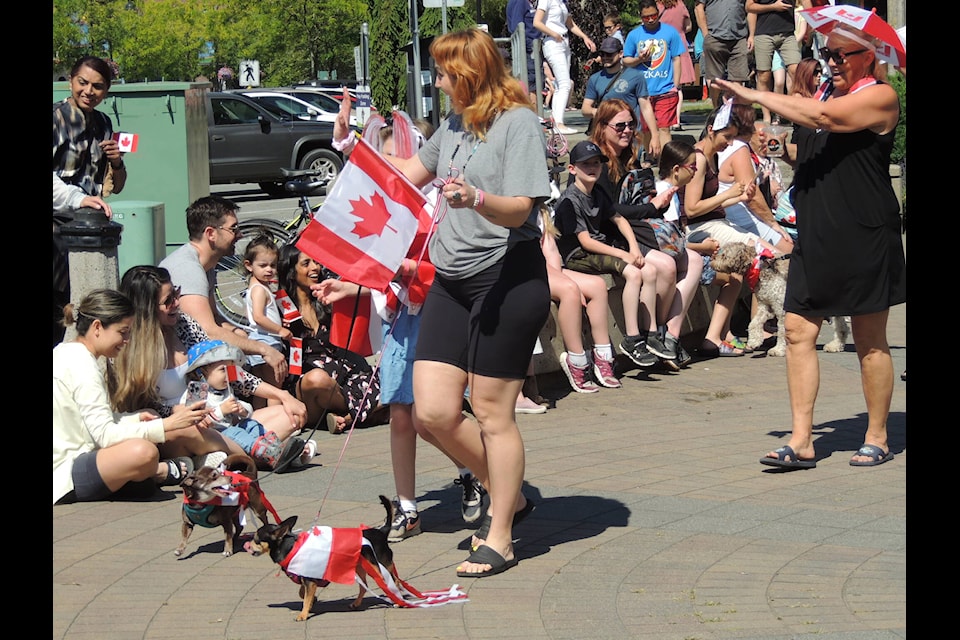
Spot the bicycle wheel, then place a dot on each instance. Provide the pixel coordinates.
(231, 276)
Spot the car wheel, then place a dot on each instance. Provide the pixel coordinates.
(327, 162)
(273, 189)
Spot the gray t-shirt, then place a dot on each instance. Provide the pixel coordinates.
(187, 273)
(726, 19)
(512, 161)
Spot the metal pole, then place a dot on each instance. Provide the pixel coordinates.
(417, 83)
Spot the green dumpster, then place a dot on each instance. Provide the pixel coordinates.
(142, 240)
(171, 164)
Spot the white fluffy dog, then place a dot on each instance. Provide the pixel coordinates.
(737, 257)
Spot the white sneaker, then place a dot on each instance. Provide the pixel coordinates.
(212, 459)
(308, 454)
(565, 130)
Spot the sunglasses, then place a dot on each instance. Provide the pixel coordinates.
(174, 296)
(691, 167)
(650, 18)
(234, 229)
(839, 57)
(620, 127)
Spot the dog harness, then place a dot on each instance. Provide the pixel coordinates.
(199, 512)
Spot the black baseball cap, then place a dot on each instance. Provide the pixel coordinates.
(585, 150)
(611, 45)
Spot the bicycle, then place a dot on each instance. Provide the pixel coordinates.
(556, 144)
(231, 278)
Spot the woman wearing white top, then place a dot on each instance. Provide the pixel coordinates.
(99, 454)
(553, 20)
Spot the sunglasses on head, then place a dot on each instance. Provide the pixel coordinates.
(840, 57)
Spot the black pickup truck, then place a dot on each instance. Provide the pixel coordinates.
(248, 143)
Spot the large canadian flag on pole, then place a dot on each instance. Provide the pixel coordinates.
(366, 225)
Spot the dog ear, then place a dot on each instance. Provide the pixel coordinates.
(286, 526)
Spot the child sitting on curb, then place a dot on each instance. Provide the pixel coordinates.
(208, 373)
(580, 213)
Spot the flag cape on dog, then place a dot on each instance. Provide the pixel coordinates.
(332, 554)
(366, 225)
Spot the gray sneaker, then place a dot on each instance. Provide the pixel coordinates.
(657, 347)
(671, 345)
(471, 503)
(406, 524)
(638, 353)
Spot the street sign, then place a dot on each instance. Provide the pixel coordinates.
(357, 63)
(249, 73)
(437, 4)
(363, 104)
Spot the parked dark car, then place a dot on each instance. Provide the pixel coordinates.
(249, 143)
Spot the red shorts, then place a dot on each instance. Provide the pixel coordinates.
(664, 110)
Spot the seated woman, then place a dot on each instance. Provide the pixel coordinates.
(152, 371)
(739, 163)
(334, 382)
(99, 454)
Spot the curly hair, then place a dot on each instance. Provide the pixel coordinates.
(480, 78)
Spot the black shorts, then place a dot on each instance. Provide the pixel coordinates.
(488, 324)
(88, 485)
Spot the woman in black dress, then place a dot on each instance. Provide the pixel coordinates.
(849, 257)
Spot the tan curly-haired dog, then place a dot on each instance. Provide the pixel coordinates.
(738, 257)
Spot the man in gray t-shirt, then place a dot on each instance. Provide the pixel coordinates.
(212, 227)
(725, 51)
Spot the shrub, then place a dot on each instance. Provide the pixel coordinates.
(899, 153)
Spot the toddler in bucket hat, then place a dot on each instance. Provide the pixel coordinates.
(211, 366)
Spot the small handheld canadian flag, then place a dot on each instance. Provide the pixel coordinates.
(233, 373)
(296, 356)
(126, 142)
(287, 308)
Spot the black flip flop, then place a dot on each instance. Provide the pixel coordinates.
(485, 555)
(787, 459)
(484, 529)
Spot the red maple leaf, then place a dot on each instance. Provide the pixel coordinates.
(373, 216)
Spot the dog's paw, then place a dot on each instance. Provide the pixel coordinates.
(178, 552)
(834, 346)
(302, 617)
(778, 351)
(227, 553)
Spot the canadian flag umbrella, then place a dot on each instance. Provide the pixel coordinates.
(825, 18)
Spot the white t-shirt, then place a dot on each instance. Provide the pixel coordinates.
(673, 211)
(556, 13)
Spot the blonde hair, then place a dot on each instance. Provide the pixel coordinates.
(549, 228)
(480, 78)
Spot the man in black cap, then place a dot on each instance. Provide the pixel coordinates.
(615, 80)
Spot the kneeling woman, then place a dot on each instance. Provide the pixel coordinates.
(99, 454)
(334, 381)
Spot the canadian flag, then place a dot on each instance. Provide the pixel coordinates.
(287, 308)
(296, 356)
(233, 373)
(366, 337)
(126, 142)
(368, 221)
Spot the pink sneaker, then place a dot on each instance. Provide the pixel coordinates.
(603, 369)
(579, 378)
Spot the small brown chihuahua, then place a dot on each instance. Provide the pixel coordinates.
(213, 497)
(309, 552)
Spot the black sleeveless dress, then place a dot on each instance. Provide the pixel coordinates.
(848, 258)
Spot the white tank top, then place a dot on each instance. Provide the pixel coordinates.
(171, 384)
(272, 311)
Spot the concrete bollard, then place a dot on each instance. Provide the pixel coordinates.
(91, 240)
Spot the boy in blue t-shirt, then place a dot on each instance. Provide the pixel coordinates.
(656, 48)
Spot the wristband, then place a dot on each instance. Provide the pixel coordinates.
(478, 199)
(345, 144)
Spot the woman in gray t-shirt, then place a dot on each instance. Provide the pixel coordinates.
(490, 297)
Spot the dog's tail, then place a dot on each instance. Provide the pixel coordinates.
(241, 463)
(389, 506)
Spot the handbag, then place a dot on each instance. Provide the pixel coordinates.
(669, 236)
(638, 187)
(600, 99)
